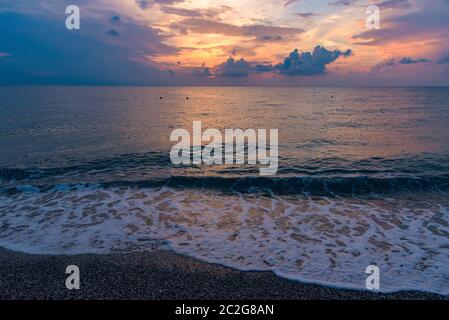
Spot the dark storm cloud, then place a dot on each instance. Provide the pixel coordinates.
(310, 63)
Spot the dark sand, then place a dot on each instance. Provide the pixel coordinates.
(156, 275)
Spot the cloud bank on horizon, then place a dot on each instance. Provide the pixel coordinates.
(229, 42)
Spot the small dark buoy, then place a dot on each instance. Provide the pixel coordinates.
(187, 98)
(332, 96)
(160, 97)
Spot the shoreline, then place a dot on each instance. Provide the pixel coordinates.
(160, 275)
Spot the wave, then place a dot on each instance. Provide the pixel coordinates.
(323, 176)
(315, 239)
(314, 186)
(425, 162)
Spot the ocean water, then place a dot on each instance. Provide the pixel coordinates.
(363, 179)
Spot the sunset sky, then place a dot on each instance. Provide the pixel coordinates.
(229, 42)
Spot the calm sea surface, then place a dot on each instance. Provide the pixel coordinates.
(363, 179)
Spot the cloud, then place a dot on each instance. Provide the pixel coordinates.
(203, 71)
(116, 19)
(404, 62)
(120, 44)
(145, 4)
(269, 38)
(233, 68)
(43, 51)
(306, 63)
(394, 4)
(296, 64)
(444, 59)
(205, 26)
(182, 12)
(205, 13)
(305, 14)
(113, 32)
(406, 71)
(247, 51)
(289, 2)
(264, 68)
(408, 60)
(425, 22)
(344, 3)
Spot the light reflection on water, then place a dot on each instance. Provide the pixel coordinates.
(39, 124)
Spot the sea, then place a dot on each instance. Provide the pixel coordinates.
(363, 179)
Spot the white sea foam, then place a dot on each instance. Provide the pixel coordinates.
(320, 239)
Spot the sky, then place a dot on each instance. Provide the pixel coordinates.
(228, 42)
